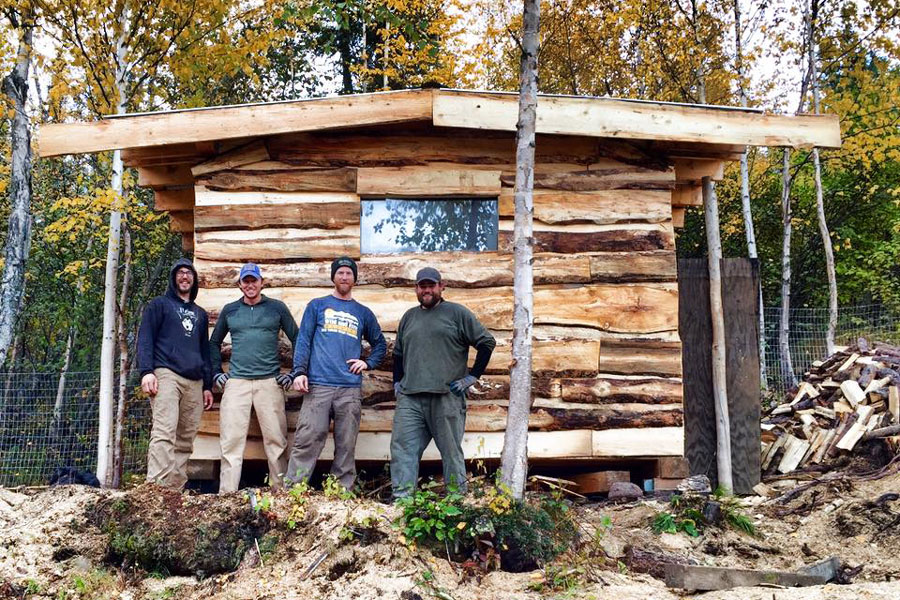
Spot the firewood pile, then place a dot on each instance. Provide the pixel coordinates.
(852, 396)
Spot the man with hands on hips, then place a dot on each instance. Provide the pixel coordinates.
(173, 355)
(254, 379)
(328, 370)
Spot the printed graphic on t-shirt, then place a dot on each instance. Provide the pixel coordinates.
(337, 321)
(188, 320)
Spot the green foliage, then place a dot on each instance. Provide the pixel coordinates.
(686, 514)
(666, 522)
(428, 516)
(332, 488)
(298, 498)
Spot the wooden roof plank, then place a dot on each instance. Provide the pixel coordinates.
(234, 122)
(602, 117)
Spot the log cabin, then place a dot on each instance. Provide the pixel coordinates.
(400, 180)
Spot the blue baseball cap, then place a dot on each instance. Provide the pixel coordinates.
(251, 269)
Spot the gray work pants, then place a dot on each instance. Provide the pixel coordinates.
(418, 419)
(319, 406)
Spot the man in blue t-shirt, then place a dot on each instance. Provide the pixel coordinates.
(328, 370)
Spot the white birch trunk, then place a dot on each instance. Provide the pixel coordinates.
(18, 240)
(830, 273)
(124, 362)
(514, 459)
(745, 199)
(720, 395)
(61, 385)
(784, 345)
(108, 346)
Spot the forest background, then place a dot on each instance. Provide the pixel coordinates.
(88, 58)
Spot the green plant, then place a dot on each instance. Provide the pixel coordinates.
(298, 497)
(666, 522)
(428, 516)
(32, 587)
(733, 512)
(332, 488)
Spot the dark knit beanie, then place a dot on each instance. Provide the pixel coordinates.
(344, 261)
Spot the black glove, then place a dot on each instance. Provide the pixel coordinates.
(284, 380)
(221, 379)
(460, 386)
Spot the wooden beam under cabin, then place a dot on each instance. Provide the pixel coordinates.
(687, 195)
(692, 170)
(164, 176)
(173, 199)
(181, 221)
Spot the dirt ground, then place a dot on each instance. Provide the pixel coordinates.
(50, 547)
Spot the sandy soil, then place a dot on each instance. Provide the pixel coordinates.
(49, 548)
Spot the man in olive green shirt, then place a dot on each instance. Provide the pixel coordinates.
(430, 382)
(254, 379)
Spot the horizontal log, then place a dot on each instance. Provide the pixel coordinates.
(687, 195)
(625, 267)
(426, 181)
(296, 180)
(277, 244)
(173, 199)
(324, 215)
(607, 390)
(250, 153)
(165, 176)
(602, 208)
(206, 197)
(185, 154)
(624, 177)
(636, 359)
(618, 238)
(693, 170)
(636, 308)
(395, 149)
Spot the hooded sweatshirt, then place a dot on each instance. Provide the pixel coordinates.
(174, 334)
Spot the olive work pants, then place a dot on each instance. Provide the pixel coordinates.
(320, 405)
(177, 408)
(418, 419)
(266, 398)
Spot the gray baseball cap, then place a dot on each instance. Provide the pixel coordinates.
(428, 274)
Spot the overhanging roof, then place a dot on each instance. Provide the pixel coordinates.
(562, 115)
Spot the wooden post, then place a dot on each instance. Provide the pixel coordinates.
(714, 245)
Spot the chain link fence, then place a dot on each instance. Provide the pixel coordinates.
(44, 426)
(808, 326)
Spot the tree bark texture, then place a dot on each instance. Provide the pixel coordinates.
(514, 459)
(745, 196)
(784, 329)
(18, 241)
(714, 246)
(108, 345)
(124, 363)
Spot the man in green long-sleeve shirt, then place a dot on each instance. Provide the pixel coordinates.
(254, 379)
(430, 382)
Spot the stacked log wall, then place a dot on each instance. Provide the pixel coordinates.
(607, 356)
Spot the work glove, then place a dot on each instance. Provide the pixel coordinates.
(284, 380)
(396, 389)
(460, 386)
(221, 379)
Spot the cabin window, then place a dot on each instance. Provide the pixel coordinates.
(391, 225)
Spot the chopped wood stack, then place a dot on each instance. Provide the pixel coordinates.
(841, 399)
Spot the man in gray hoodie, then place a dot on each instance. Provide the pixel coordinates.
(173, 355)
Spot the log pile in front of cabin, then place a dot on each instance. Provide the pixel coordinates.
(607, 356)
(851, 397)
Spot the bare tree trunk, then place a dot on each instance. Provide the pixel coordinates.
(820, 202)
(108, 346)
(514, 459)
(124, 363)
(787, 368)
(714, 247)
(745, 197)
(18, 240)
(61, 386)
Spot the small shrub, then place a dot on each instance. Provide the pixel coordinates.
(428, 516)
(332, 488)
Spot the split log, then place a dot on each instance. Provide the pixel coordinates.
(622, 178)
(427, 181)
(643, 308)
(687, 195)
(607, 389)
(601, 208)
(250, 153)
(207, 197)
(277, 244)
(165, 176)
(617, 238)
(173, 199)
(325, 215)
(296, 180)
(181, 221)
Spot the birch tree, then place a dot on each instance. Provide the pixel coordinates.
(18, 240)
(514, 459)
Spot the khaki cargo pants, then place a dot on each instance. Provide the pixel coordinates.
(418, 419)
(320, 405)
(177, 408)
(266, 398)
